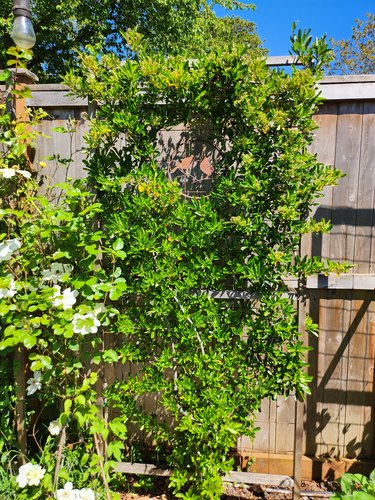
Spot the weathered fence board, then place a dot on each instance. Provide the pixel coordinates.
(233, 476)
(342, 400)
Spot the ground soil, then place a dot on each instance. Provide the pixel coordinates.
(233, 492)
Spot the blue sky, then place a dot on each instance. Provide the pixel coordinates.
(274, 19)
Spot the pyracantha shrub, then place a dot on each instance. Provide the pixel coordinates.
(177, 277)
(206, 362)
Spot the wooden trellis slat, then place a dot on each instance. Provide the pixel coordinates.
(279, 480)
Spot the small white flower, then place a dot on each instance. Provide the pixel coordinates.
(86, 494)
(85, 323)
(34, 383)
(66, 299)
(99, 308)
(24, 173)
(30, 475)
(56, 272)
(54, 428)
(7, 173)
(8, 247)
(68, 493)
(10, 287)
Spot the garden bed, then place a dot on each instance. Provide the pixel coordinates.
(310, 490)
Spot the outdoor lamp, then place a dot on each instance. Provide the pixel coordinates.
(23, 32)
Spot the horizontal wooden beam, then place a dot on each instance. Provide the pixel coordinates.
(348, 87)
(271, 469)
(332, 281)
(142, 469)
(314, 468)
(55, 98)
(346, 281)
(282, 60)
(332, 88)
(280, 480)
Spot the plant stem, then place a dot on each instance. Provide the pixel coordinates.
(59, 457)
(100, 456)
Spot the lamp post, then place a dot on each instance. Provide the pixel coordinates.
(23, 32)
(23, 36)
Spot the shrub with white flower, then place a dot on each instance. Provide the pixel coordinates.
(54, 428)
(57, 272)
(85, 323)
(8, 173)
(8, 247)
(99, 309)
(34, 383)
(66, 298)
(30, 475)
(67, 493)
(86, 494)
(7, 287)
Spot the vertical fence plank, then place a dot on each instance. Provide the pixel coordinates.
(298, 415)
(324, 146)
(341, 248)
(349, 149)
(359, 355)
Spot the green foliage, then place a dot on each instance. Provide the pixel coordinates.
(215, 33)
(63, 29)
(356, 486)
(124, 268)
(15, 139)
(65, 346)
(357, 54)
(211, 362)
(17, 136)
(314, 54)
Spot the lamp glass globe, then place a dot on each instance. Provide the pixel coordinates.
(23, 32)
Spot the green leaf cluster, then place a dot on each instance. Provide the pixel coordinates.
(208, 363)
(356, 486)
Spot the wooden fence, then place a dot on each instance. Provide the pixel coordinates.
(339, 416)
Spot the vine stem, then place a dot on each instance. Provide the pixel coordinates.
(100, 456)
(59, 456)
(191, 322)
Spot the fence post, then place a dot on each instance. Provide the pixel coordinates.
(22, 78)
(297, 457)
(299, 405)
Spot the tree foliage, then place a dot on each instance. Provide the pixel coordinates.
(63, 29)
(357, 54)
(222, 34)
